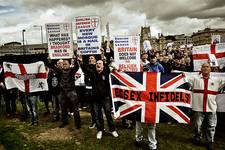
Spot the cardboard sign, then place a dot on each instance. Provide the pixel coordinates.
(60, 41)
(88, 30)
(127, 53)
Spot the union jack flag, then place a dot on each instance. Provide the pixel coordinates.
(150, 97)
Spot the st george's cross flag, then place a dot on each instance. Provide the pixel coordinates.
(150, 97)
(26, 77)
(220, 101)
(202, 54)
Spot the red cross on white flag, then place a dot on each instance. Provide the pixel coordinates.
(201, 53)
(94, 22)
(26, 77)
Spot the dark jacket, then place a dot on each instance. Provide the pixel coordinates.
(99, 82)
(66, 78)
(53, 82)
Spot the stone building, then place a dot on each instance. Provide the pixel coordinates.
(161, 42)
(16, 48)
(204, 36)
(155, 42)
(181, 40)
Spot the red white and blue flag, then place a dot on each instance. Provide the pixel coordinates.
(150, 97)
(26, 77)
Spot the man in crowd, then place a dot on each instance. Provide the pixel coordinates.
(8, 95)
(53, 85)
(153, 66)
(31, 101)
(89, 95)
(144, 59)
(67, 96)
(205, 88)
(101, 96)
(167, 64)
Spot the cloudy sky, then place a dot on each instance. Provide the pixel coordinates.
(125, 17)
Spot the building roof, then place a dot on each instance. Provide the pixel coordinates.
(12, 43)
(206, 30)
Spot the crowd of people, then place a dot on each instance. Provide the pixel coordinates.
(69, 98)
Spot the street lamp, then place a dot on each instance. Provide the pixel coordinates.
(41, 34)
(23, 40)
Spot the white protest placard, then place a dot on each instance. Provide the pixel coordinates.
(213, 61)
(60, 41)
(215, 39)
(147, 45)
(127, 53)
(88, 31)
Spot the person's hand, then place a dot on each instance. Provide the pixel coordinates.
(102, 50)
(39, 66)
(183, 74)
(49, 59)
(111, 59)
(59, 64)
(2, 86)
(80, 60)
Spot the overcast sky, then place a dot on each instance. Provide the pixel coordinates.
(125, 17)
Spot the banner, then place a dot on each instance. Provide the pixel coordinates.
(26, 77)
(201, 53)
(88, 31)
(60, 40)
(127, 53)
(150, 97)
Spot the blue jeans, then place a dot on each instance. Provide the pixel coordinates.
(32, 104)
(211, 122)
(106, 104)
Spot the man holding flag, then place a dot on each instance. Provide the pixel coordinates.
(204, 105)
(28, 78)
(153, 66)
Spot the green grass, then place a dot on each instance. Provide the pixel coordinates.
(15, 134)
(12, 140)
